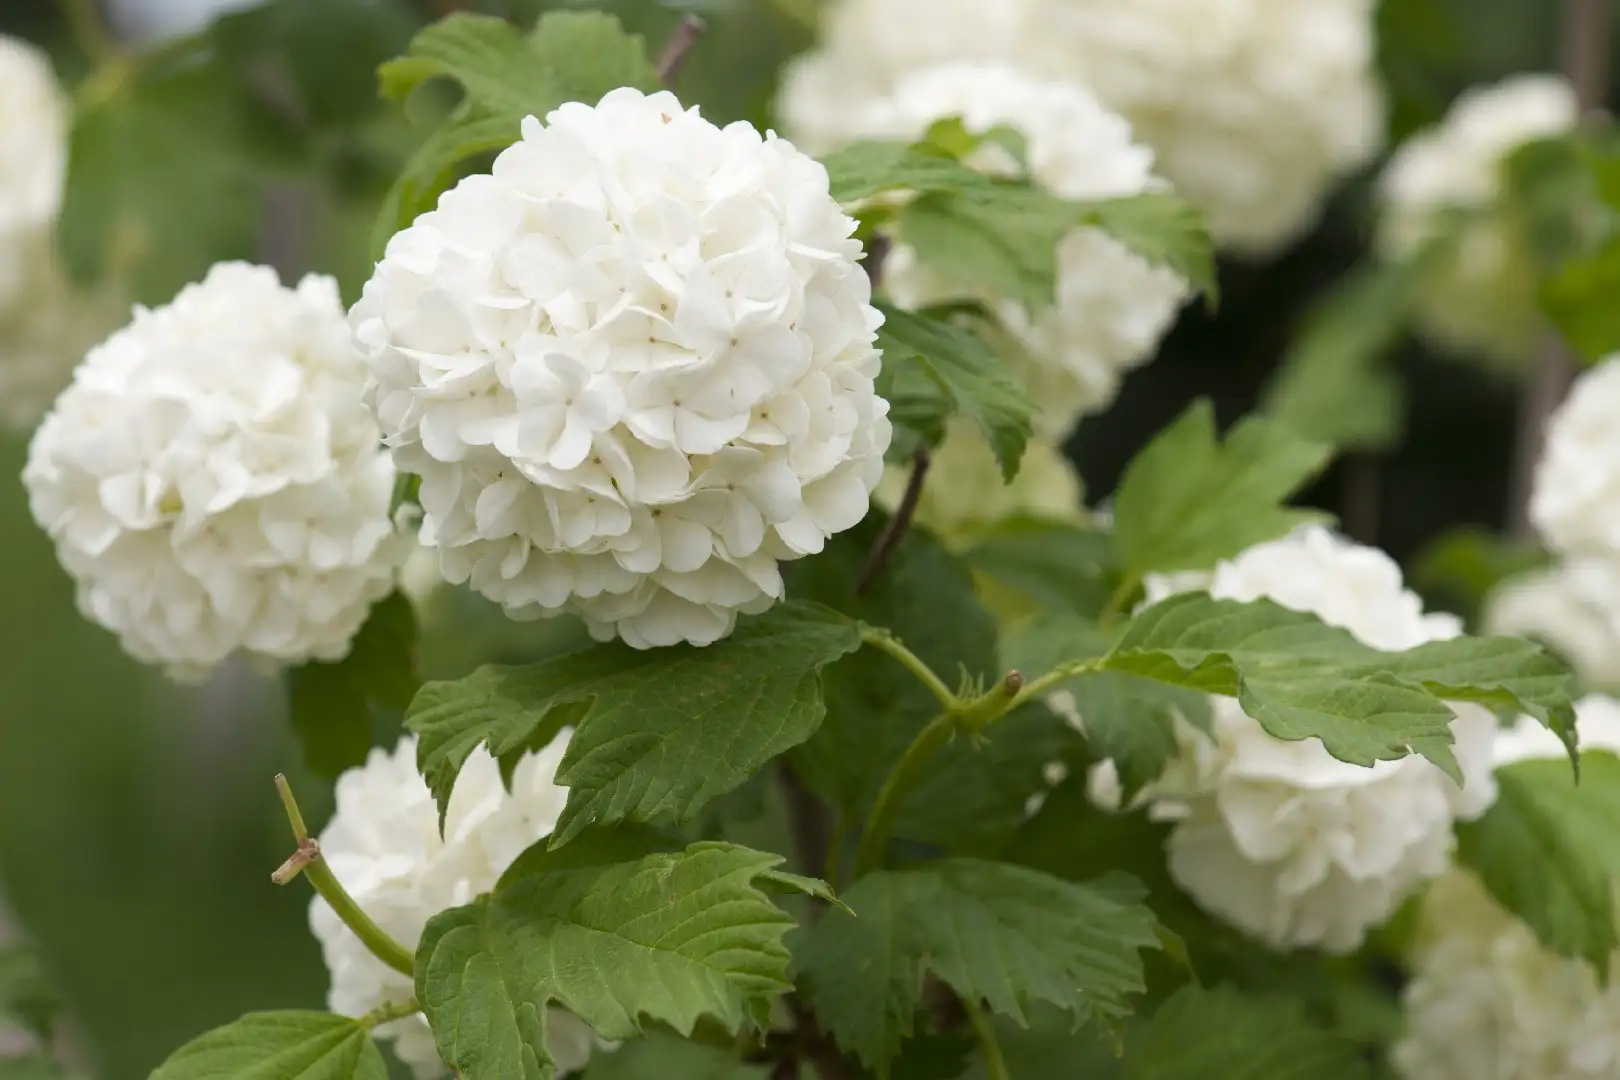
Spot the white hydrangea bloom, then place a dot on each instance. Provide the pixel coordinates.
(214, 484)
(964, 489)
(1486, 1001)
(1112, 307)
(1253, 107)
(1280, 838)
(33, 159)
(634, 368)
(1573, 607)
(1482, 299)
(384, 845)
(1575, 504)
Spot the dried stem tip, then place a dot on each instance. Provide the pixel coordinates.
(680, 43)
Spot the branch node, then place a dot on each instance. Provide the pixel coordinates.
(309, 850)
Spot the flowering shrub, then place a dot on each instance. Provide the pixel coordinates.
(832, 733)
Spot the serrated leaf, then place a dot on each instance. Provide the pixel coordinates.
(1546, 850)
(1001, 239)
(1201, 1033)
(28, 998)
(1165, 230)
(617, 930)
(1007, 935)
(144, 157)
(934, 369)
(279, 1046)
(1301, 678)
(1187, 501)
(669, 730)
(858, 171)
(505, 77)
(1057, 565)
(331, 704)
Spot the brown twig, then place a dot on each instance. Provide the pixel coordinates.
(895, 530)
(679, 45)
(877, 253)
(1587, 29)
(1360, 497)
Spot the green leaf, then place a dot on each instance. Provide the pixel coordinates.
(1130, 720)
(161, 183)
(33, 1068)
(1579, 299)
(615, 929)
(1165, 230)
(1301, 678)
(1001, 239)
(669, 729)
(505, 77)
(331, 704)
(1057, 565)
(279, 1046)
(1458, 570)
(861, 170)
(28, 998)
(934, 369)
(1546, 849)
(1222, 1033)
(1003, 934)
(1186, 501)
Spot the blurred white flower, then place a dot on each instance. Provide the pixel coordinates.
(1575, 504)
(214, 484)
(1111, 307)
(1280, 838)
(159, 20)
(1480, 300)
(634, 368)
(1573, 608)
(383, 844)
(1253, 107)
(1486, 1000)
(33, 159)
(965, 492)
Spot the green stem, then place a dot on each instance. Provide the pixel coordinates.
(89, 31)
(384, 1013)
(1116, 603)
(308, 861)
(901, 781)
(884, 641)
(1060, 674)
(995, 1066)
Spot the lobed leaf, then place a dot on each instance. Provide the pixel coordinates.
(279, 1046)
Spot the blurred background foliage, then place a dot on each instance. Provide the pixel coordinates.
(138, 825)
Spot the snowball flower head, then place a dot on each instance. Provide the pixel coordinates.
(1487, 1001)
(965, 491)
(634, 368)
(33, 157)
(1574, 608)
(1575, 503)
(384, 845)
(1280, 838)
(1481, 298)
(1253, 107)
(213, 483)
(1111, 306)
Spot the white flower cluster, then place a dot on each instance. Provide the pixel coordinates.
(214, 484)
(383, 844)
(45, 324)
(1486, 1000)
(1573, 607)
(1111, 307)
(1481, 299)
(1575, 504)
(634, 368)
(1254, 107)
(970, 493)
(1280, 838)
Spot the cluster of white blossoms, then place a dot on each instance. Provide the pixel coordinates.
(1280, 838)
(1487, 1001)
(1573, 607)
(1480, 298)
(1111, 307)
(1254, 107)
(970, 493)
(45, 324)
(634, 369)
(384, 845)
(213, 482)
(1575, 503)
